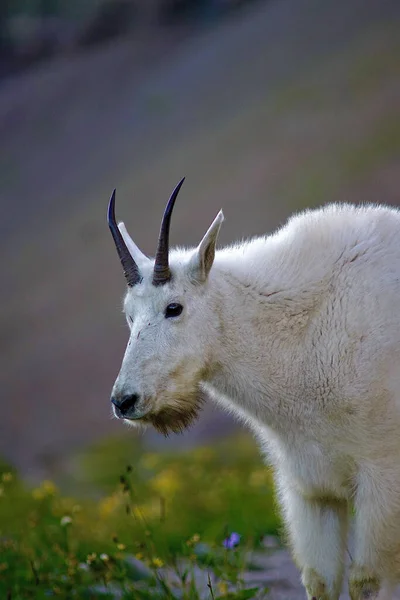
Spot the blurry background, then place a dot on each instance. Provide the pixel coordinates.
(267, 107)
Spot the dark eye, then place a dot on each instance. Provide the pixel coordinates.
(173, 310)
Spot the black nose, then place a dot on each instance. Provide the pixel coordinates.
(125, 404)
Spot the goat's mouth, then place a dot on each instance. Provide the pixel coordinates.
(176, 417)
(137, 416)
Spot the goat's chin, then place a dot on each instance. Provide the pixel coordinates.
(177, 416)
(138, 424)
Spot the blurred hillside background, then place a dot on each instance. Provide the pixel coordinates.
(267, 107)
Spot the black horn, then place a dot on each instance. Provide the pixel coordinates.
(131, 270)
(162, 274)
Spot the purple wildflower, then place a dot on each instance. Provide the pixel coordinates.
(231, 541)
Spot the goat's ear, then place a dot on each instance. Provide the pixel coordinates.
(137, 255)
(201, 262)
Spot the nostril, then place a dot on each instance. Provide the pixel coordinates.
(128, 402)
(125, 403)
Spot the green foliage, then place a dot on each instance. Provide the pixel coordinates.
(159, 521)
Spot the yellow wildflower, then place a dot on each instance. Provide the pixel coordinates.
(167, 483)
(109, 504)
(37, 494)
(157, 562)
(91, 558)
(139, 556)
(193, 540)
(222, 587)
(47, 488)
(121, 546)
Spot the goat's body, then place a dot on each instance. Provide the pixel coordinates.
(312, 343)
(298, 334)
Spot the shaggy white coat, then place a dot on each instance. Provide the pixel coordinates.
(298, 334)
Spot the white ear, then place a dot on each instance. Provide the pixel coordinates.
(135, 252)
(201, 262)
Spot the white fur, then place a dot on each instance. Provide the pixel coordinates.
(298, 334)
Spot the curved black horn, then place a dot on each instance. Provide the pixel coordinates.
(131, 270)
(162, 274)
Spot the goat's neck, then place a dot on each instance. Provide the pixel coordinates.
(260, 349)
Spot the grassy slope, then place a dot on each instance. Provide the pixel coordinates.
(170, 510)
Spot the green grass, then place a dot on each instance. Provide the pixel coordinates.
(141, 529)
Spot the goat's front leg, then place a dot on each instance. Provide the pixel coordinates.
(376, 532)
(317, 532)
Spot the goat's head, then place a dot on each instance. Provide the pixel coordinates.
(167, 308)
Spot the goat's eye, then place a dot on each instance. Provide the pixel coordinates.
(173, 310)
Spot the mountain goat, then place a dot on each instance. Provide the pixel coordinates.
(297, 333)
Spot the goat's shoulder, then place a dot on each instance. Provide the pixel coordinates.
(312, 243)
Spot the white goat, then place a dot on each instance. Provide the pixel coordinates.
(297, 333)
